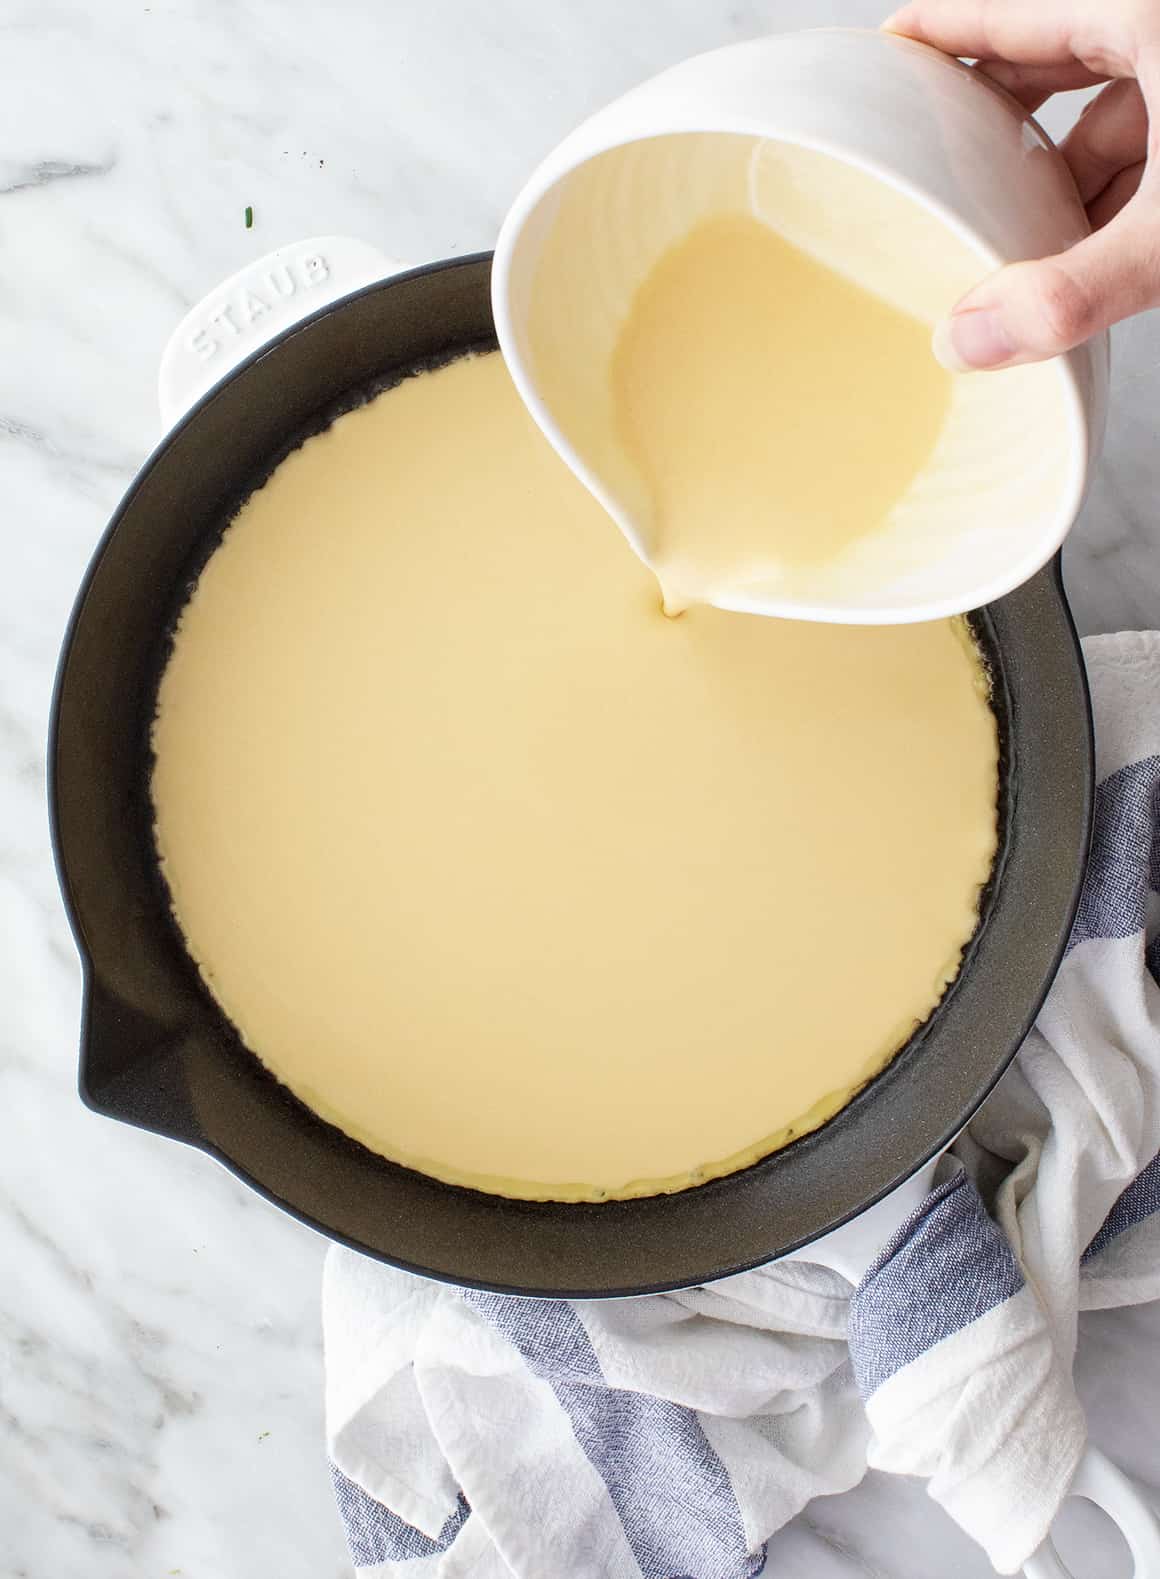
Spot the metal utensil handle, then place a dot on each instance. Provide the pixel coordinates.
(1101, 1482)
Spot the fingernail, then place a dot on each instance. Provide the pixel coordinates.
(974, 338)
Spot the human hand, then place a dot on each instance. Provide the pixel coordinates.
(1034, 48)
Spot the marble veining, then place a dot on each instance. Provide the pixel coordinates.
(160, 1368)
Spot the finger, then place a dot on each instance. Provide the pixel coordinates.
(1030, 311)
(1022, 30)
(1110, 135)
(1031, 85)
(1118, 193)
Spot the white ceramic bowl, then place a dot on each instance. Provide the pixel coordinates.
(947, 152)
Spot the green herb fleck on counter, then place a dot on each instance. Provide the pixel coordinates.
(249, 218)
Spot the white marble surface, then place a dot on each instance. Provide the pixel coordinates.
(159, 1347)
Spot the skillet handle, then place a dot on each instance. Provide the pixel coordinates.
(1100, 1481)
(254, 306)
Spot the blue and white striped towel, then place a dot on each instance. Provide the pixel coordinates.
(671, 1436)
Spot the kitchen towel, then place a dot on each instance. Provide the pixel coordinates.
(669, 1437)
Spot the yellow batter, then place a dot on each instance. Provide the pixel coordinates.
(513, 878)
(776, 410)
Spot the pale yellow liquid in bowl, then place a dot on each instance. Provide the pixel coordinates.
(518, 881)
(730, 339)
(775, 410)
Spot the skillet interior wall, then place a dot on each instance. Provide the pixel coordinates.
(318, 423)
(157, 1054)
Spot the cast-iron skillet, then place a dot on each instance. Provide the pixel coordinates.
(156, 1051)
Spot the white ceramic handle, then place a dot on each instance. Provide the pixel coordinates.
(853, 1248)
(1099, 1481)
(254, 305)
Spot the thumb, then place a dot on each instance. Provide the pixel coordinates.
(1029, 311)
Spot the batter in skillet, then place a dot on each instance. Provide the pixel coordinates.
(515, 879)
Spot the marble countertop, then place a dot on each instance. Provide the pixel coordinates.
(160, 1377)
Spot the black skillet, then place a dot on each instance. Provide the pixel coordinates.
(156, 1051)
